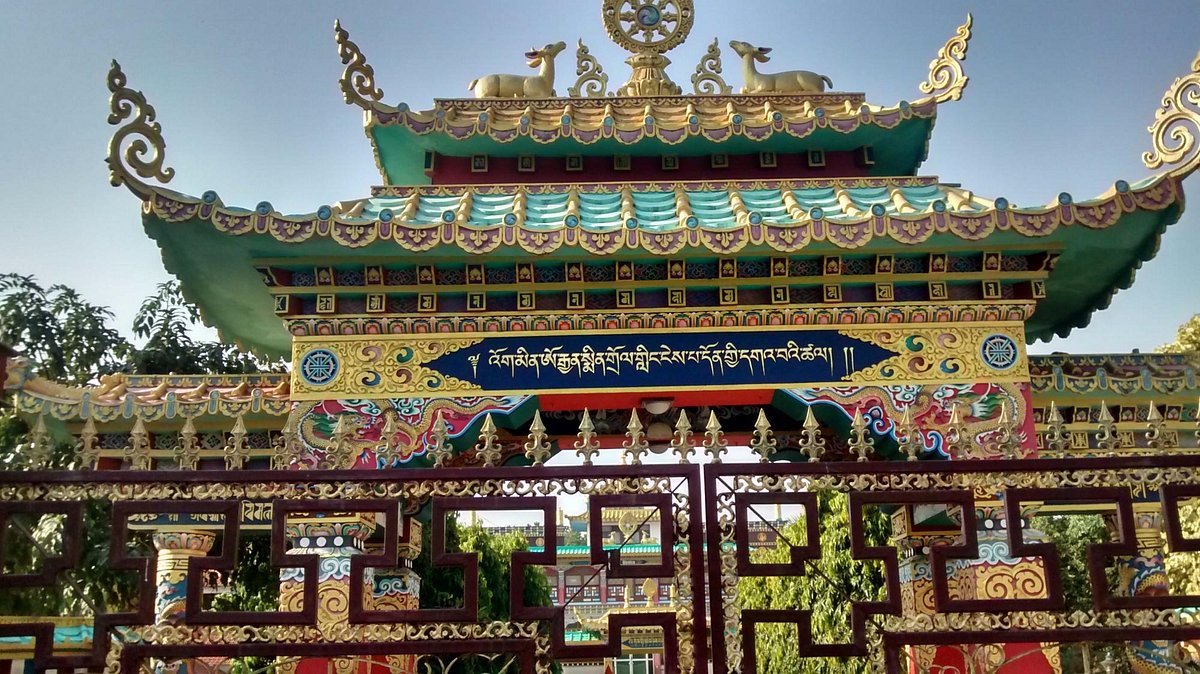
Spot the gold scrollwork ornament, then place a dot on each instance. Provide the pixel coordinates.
(137, 146)
(358, 79)
(1176, 125)
(707, 79)
(947, 79)
(592, 81)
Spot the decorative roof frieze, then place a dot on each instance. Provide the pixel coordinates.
(774, 216)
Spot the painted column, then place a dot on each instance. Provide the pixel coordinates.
(174, 549)
(334, 539)
(1145, 575)
(400, 589)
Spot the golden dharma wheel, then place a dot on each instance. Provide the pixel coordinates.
(648, 25)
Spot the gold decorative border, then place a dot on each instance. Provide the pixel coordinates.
(934, 354)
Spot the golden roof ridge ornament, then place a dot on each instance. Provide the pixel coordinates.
(1176, 125)
(649, 29)
(947, 79)
(137, 146)
(592, 81)
(707, 79)
(358, 79)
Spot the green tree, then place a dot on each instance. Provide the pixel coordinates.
(72, 341)
(826, 589)
(442, 587)
(1187, 338)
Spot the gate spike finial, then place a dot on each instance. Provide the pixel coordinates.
(682, 443)
(1056, 431)
(762, 441)
(236, 451)
(537, 449)
(1007, 442)
(1106, 432)
(1155, 426)
(385, 452)
(89, 452)
(908, 436)
(715, 443)
(189, 447)
(138, 449)
(636, 445)
(861, 442)
(488, 447)
(811, 442)
(587, 445)
(439, 449)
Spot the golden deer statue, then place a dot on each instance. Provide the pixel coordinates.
(789, 82)
(540, 85)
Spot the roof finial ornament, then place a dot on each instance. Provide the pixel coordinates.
(592, 81)
(137, 146)
(649, 29)
(358, 79)
(946, 79)
(707, 78)
(1176, 125)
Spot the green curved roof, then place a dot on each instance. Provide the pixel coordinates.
(214, 249)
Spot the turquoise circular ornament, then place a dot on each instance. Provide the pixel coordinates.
(263, 208)
(386, 215)
(325, 212)
(319, 367)
(447, 216)
(209, 197)
(1122, 186)
(1064, 198)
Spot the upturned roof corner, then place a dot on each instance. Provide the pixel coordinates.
(137, 148)
(947, 79)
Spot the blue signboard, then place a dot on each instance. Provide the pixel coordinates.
(715, 358)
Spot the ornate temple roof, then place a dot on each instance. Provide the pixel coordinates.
(217, 250)
(650, 114)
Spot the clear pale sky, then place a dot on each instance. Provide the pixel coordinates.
(1059, 100)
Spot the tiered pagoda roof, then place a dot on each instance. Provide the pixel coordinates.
(246, 268)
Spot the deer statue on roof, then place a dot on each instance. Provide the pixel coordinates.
(540, 85)
(789, 82)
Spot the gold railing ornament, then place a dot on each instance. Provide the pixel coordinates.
(811, 442)
(908, 437)
(236, 451)
(187, 453)
(537, 449)
(358, 79)
(682, 444)
(947, 79)
(861, 442)
(714, 443)
(762, 440)
(40, 445)
(707, 79)
(1056, 439)
(1155, 429)
(1006, 437)
(89, 445)
(137, 147)
(636, 445)
(1106, 432)
(587, 446)
(385, 451)
(285, 448)
(1176, 125)
(592, 81)
(439, 450)
(137, 452)
(488, 448)
(955, 432)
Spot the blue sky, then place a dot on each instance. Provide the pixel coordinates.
(1059, 100)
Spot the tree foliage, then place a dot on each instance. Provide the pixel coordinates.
(827, 589)
(72, 341)
(1187, 338)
